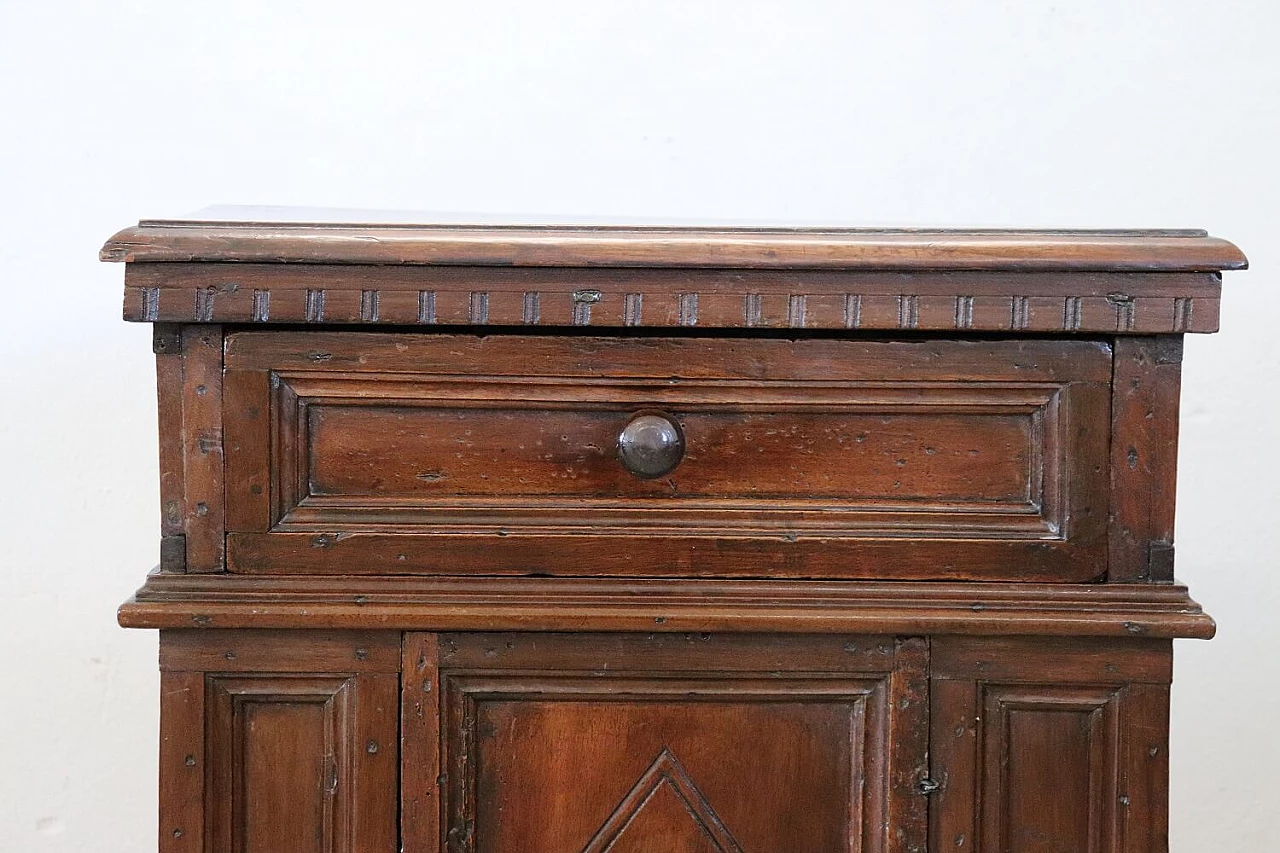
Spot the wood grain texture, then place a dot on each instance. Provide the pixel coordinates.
(412, 601)
(245, 443)
(280, 651)
(271, 772)
(835, 248)
(938, 359)
(906, 817)
(674, 651)
(182, 763)
(1075, 730)
(421, 802)
(202, 448)
(1144, 800)
(277, 756)
(681, 744)
(565, 604)
(953, 764)
(935, 459)
(936, 300)
(602, 748)
(167, 343)
(1077, 659)
(1040, 704)
(782, 554)
(1144, 457)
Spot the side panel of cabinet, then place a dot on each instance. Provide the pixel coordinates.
(1144, 457)
(189, 403)
(679, 743)
(1045, 746)
(274, 741)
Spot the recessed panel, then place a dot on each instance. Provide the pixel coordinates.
(414, 454)
(431, 453)
(283, 772)
(1050, 769)
(730, 765)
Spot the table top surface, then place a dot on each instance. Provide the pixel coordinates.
(329, 236)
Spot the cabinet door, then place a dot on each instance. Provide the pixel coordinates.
(673, 743)
(274, 742)
(1044, 746)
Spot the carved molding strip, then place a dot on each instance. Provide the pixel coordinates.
(666, 770)
(590, 604)
(1113, 313)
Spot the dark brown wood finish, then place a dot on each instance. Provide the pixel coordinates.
(817, 278)
(426, 296)
(1040, 746)
(1144, 457)
(189, 377)
(182, 763)
(668, 247)
(909, 586)
(579, 604)
(703, 742)
(279, 742)
(167, 342)
(421, 800)
(937, 459)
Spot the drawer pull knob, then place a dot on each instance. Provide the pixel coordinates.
(651, 444)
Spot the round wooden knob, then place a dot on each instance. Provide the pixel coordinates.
(651, 444)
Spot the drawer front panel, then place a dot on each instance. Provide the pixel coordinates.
(453, 455)
(483, 450)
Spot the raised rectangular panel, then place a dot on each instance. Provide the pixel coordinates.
(1050, 766)
(680, 744)
(275, 741)
(1044, 746)
(853, 459)
(301, 763)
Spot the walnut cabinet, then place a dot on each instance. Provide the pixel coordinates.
(504, 539)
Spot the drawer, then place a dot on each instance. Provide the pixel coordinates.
(405, 453)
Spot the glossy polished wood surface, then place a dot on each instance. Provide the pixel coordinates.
(900, 577)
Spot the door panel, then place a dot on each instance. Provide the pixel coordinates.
(678, 743)
(1044, 746)
(574, 766)
(272, 753)
(278, 746)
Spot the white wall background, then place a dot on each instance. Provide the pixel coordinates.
(1090, 113)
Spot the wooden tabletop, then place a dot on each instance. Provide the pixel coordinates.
(295, 235)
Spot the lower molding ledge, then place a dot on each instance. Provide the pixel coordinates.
(592, 604)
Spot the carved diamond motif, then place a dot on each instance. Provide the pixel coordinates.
(664, 810)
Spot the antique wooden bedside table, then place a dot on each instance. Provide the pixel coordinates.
(585, 539)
